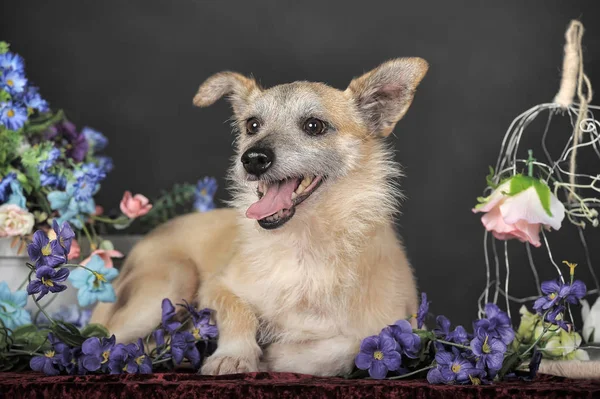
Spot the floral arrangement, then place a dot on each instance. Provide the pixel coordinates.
(493, 351)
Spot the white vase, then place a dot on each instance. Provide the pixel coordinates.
(14, 271)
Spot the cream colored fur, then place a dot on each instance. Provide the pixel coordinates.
(299, 298)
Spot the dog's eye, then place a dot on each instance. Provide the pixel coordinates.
(314, 127)
(252, 126)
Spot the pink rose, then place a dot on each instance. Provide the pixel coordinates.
(75, 251)
(135, 206)
(522, 214)
(106, 256)
(15, 221)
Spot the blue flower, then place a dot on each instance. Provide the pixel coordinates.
(11, 62)
(96, 353)
(34, 101)
(12, 304)
(555, 317)
(16, 196)
(52, 180)
(201, 320)
(168, 312)
(12, 116)
(458, 336)
(50, 159)
(66, 357)
(105, 164)
(94, 286)
(96, 140)
(73, 314)
(70, 209)
(378, 355)
(13, 82)
(423, 310)
(64, 235)
(130, 358)
(496, 325)
(453, 367)
(183, 345)
(489, 352)
(87, 183)
(46, 363)
(49, 280)
(406, 341)
(204, 195)
(5, 186)
(44, 252)
(556, 291)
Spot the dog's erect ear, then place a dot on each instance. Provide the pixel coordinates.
(384, 94)
(237, 87)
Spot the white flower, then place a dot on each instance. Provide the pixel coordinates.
(591, 321)
(15, 221)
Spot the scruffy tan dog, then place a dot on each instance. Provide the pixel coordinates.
(307, 263)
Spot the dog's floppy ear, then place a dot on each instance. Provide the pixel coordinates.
(237, 87)
(384, 94)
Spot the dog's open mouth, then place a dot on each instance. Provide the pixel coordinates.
(277, 202)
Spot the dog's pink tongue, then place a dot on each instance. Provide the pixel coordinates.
(277, 197)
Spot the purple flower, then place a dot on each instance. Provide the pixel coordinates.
(67, 358)
(5, 186)
(423, 310)
(183, 345)
(44, 252)
(534, 364)
(130, 358)
(73, 314)
(453, 367)
(489, 352)
(105, 164)
(406, 341)
(159, 337)
(496, 325)
(96, 140)
(458, 336)
(201, 321)
(168, 312)
(204, 195)
(45, 364)
(66, 135)
(555, 291)
(64, 235)
(96, 353)
(48, 281)
(378, 355)
(555, 317)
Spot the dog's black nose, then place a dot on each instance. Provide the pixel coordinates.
(257, 161)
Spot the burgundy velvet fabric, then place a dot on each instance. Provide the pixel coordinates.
(274, 385)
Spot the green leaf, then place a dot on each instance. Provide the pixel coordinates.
(4, 96)
(29, 337)
(490, 179)
(67, 333)
(4, 47)
(510, 363)
(107, 245)
(520, 183)
(95, 330)
(543, 191)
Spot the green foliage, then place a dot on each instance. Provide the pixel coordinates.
(30, 338)
(490, 179)
(4, 47)
(67, 333)
(95, 330)
(171, 204)
(9, 146)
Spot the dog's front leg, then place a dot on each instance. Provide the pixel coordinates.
(237, 350)
(327, 357)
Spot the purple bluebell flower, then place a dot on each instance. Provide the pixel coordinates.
(422, 311)
(138, 362)
(67, 136)
(183, 345)
(96, 140)
(12, 115)
(13, 82)
(168, 312)
(49, 280)
(378, 355)
(555, 316)
(204, 195)
(5, 186)
(66, 358)
(458, 335)
(46, 363)
(407, 342)
(64, 235)
(556, 291)
(453, 367)
(44, 252)
(12, 62)
(96, 353)
(489, 352)
(201, 320)
(497, 324)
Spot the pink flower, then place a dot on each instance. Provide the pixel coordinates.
(135, 206)
(75, 251)
(99, 210)
(15, 221)
(522, 214)
(106, 256)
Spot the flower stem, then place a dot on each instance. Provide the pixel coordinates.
(522, 355)
(93, 246)
(118, 220)
(452, 344)
(530, 162)
(41, 309)
(411, 373)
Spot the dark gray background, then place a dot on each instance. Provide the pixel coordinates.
(131, 68)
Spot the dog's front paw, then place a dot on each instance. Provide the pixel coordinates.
(219, 365)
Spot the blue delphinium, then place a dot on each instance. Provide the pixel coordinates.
(16, 196)
(11, 62)
(87, 182)
(96, 353)
(556, 291)
(453, 367)
(378, 354)
(204, 196)
(96, 140)
(94, 286)
(5, 189)
(44, 252)
(105, 164)
(69, 208)
(497, 324)
(48, 280)
(12, 115)
(13, 82)
(33, 100)
(50, 159)
(407, 342)
(12, 304)
(489, 352)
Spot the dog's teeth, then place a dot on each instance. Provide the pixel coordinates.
(294, 195)
(280, 213)
(306, 181)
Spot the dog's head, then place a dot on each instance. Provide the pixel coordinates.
(296, 139)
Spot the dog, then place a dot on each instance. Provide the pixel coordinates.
(306, 262)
